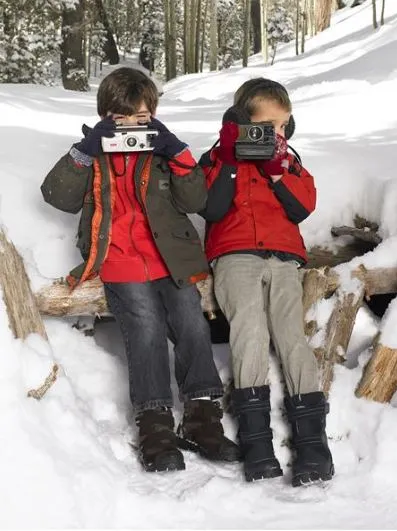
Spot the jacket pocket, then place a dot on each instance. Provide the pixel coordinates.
(186, 232)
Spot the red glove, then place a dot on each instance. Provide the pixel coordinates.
(227, 138)
(276, 165)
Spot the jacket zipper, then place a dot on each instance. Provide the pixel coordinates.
(131, 225)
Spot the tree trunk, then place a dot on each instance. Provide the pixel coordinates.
(74, 76)
(246, 29)
(303, 30)
(374, 22)
(297, 17)
(213, 35)
(109, 47)
(382, 13)
(203, 37)
(198, 35)
(264, 43)
(172, 39)
(166, 6)
(324, 10)
(22, 310)
(186, 12)
(256, 25)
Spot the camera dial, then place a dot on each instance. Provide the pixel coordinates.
(255, 133)
(131, 141)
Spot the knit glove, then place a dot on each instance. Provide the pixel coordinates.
(91, 145)
(165, 144)
(229, 134)
(276, 165)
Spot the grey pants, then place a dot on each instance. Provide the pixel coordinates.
(262, 299)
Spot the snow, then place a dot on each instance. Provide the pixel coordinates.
(67, 461)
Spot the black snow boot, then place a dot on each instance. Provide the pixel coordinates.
(313, 460)
(251, 405)
(201, 431)
(158, 449)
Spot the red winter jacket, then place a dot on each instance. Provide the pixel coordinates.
(246, 211)
(133, 255)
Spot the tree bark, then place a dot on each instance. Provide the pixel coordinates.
(297, 17)
(264, 43)
(374, 22)
(166, 7)
(203, 37)
(109, 48)
(324, 10)
(21, 306)
(213, 35)
(88, 299)
(74, 76)
(379, 379)
(256, 25)
(382, 13)
(337, 336)
(172, 39)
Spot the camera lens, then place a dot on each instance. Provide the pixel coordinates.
(255, 133)
(131, 141)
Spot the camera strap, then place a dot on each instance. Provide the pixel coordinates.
(296, 154)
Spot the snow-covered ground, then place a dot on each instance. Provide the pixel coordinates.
(66, 462)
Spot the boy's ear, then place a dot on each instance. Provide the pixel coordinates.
(290, 129)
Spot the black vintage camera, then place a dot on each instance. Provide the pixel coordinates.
(255, 141)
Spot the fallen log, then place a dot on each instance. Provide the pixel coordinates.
(379, 378)
(337, 335)
(89, 299)
(21, 306)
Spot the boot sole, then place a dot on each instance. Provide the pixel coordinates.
(228, 457)
(257, 475)
(173, 463)
(312, 478)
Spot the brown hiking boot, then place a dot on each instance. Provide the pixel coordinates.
(158, 451)
(201, 431)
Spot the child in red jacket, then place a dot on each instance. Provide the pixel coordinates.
(255, 248)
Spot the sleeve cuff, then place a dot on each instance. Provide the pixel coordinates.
(184, 158)
(81, 159)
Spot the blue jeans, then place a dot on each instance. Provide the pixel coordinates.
(147, 314)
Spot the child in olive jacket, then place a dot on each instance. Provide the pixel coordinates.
(135, 234)
(254, 245)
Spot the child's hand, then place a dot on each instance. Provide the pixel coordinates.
(276, 165)
(91, 145)
(165, 144)
(229, 134)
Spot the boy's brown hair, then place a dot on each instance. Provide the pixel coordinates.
(123, 90)
(259, 89)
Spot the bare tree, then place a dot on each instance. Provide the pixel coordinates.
(197, 32)
(203, 37)
(256, 6)
(382, 13)
(111, 53)
(297, 17)
(264, 41)
(213, 35)
(189, 33)
(246, 29)
(169, 39)
(73, 72)
(324, 10)
(374, 22)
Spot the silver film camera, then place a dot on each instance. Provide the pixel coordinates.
(256, 141)
(129, 138)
